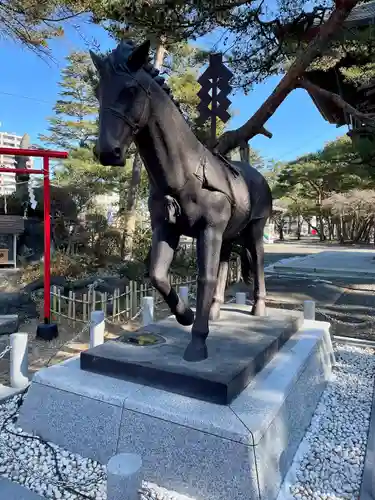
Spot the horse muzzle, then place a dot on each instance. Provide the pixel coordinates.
(113, 158)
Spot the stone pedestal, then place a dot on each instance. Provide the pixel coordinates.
(204, 450)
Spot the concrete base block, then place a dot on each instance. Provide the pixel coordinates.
(207, 451)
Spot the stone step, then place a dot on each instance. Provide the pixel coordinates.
(14, 491)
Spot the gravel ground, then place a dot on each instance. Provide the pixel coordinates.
(52, 472)
(328, 464)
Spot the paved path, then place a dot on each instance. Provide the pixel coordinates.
(331, 263)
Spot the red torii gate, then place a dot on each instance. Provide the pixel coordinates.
(46, 331)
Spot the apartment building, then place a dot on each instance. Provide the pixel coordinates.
(8, 180)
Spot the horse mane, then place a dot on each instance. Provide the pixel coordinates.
(148, 68)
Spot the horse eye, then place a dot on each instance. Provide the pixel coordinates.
(127, 93)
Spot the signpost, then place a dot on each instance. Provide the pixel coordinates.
(216, 80)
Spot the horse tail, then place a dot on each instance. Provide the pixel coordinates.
(247, 267)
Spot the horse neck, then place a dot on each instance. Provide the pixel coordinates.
(169, 149)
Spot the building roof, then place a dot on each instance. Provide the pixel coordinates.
(363, 14)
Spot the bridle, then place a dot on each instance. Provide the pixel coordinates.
(135, 127)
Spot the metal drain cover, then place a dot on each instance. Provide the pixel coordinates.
(143, 339)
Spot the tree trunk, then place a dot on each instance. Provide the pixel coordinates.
(255, 125)
(341, 229)
(298, 227)
(130, 218)
(321, 228)
(159, 56)
(330, 228)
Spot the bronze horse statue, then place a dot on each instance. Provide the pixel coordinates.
(193, 192)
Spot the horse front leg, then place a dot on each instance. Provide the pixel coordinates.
(209, 243)
(165, 240)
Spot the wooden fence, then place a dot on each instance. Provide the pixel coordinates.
(121, 305)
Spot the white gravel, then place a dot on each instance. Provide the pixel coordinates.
(329, 462)
(34, 464)
(53, 472)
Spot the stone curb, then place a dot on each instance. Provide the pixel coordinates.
(368, 479)
(8, 392)
(314, 271)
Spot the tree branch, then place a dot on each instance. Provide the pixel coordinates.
(231, 139)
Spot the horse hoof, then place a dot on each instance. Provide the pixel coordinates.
(186, 318)
(215, 312)
(259, 309)
(195, 353)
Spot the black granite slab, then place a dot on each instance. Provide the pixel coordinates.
(239, 346)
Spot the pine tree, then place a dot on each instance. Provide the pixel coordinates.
(75, 123)
(74, 128)
(34, 22)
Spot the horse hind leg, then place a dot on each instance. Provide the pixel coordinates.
(254, 264)
(222, 278)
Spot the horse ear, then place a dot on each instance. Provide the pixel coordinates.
(97, 60)
(139, 56)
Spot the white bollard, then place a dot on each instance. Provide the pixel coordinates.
(241, 298)
(183, 292)
(147, 310)
(97, 328)
(124, 478)
(309, 309)
(19, 368)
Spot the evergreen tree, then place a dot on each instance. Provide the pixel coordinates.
(34, 22)
(74, 128)
(76, 109)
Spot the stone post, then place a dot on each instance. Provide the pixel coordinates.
(124, 478)
(19, 360)
(147, 310)
(309, 309)
(97, 328)
(183, 292)
(241, 298)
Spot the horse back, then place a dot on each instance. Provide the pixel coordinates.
(245, 186)
(260, 192)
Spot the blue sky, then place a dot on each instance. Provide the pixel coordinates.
(28, 91)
